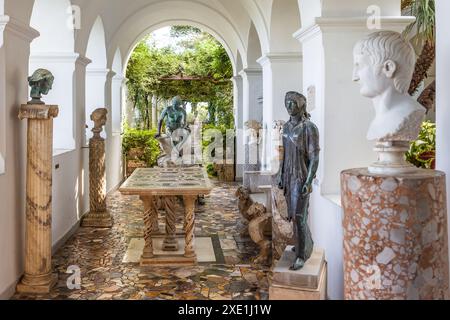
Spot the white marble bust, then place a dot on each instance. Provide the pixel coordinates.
(384, 65)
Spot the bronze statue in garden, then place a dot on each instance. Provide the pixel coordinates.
(41, 82)
(297, 172)
(174, 116)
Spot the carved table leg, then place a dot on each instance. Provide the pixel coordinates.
(189, 203)
(155, 222)
(150, 211)
(170, 242)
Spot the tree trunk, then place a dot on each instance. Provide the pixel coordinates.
(155, 112)
(428, 96)
(423, 64)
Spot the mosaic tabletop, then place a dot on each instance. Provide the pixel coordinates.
(179, 181)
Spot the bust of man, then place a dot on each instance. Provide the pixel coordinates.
(384, 65)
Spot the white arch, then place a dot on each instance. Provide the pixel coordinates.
(254, 51)
(96, 48)
(161, 25)
(96, 73)
(256, 14)
(173, 12)
(285, 21)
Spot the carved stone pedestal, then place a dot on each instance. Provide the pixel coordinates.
(395, 235)
(98, 217)
(38, 277)
(309, 283)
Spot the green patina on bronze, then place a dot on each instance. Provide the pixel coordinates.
(41, 82)
(298, 170)
(175, 117)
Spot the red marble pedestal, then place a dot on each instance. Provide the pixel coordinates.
(395, 236)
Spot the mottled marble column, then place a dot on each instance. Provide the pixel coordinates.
(98, 216)
(395, 236)
(38, 277)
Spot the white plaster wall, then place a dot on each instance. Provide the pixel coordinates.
(12, 182)
(326, 227)
(62, 66)
(2, 102)
(50, 17)
(443, 92)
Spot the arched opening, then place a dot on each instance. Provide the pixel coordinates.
(54, 50)
(96, 73)
(180, 61)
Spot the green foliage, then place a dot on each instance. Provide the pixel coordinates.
(211, 171)
(425, 24)
(144, 139)
(182, 31)
(422, 152)
(200, 72)
(205, 143)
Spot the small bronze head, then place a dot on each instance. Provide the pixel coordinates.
(41, 82)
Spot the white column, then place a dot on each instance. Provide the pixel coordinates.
(252, 79)
(62, 66)
(239, 124)
(282, 72)
(252, 110)
(114, 167)
(118, 82)
(442, 90)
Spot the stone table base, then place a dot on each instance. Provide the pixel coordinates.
(395, 235)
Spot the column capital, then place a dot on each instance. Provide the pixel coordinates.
(83, 61)
(111, 74)
(351, 24)
(250, 72)
(98, 72)
(119, 78)
(56, 57)
(280, 57)
(38, 111)
(17, 28)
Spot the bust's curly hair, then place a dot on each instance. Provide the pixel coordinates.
(301, 100)
(41, 74)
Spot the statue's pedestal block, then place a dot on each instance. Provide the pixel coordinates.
(309, 283)
(97, 220)
(395, 235)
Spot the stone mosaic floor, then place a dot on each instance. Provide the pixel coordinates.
(99, 254)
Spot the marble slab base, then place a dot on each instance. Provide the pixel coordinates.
(203, 247)
(309, 283)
